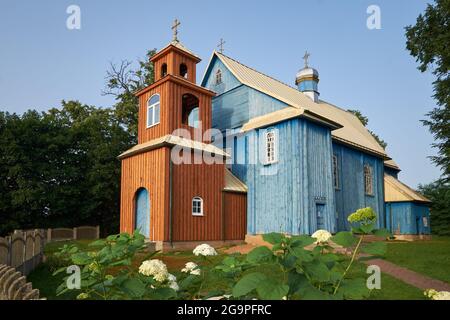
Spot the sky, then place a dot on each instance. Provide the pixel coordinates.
(43, 62)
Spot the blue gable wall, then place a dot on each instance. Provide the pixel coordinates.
(229, 81)
(407, 218)
(350, 196)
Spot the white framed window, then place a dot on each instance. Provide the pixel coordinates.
(197, 206)
(335, 172)
(153, 110)
(271, 146)
(368, 179)
(218, 76)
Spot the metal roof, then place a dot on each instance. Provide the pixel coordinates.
(179, 45)
(352, 132)
(396, 191)
(392, 164)
(171, 140)
(233, 184)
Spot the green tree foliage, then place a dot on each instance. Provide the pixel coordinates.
(60, 168)
(365, 121)
(439, 193)
(428, 41)
(122, 81)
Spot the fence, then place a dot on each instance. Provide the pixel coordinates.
(14, 286)
(79, 233)
(23, 250)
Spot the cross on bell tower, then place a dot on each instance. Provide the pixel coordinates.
(175, 25)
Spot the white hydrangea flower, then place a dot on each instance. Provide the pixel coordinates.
(204, 250)
(321, 236)
(189, 267)
(437, 295)
(155, 268)
(196, 272)
(171, 278)
(174, 286)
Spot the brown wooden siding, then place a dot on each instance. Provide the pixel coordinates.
(173, 60)
(235, 218)
(205, 181)
(148, 170)
(171, 111)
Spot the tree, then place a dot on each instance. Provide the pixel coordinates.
(439, 193)
(365, 121)
(122, 81)
(428, 41)
(60, 168)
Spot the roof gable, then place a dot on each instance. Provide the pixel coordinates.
(352, 132)
(396, 191)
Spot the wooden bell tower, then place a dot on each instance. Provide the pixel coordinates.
(182, 103)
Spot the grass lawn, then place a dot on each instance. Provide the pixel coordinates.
(42, 279)
(431, 258)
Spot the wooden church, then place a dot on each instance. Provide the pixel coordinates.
(257, 156)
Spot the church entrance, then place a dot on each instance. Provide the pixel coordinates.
(142, 215)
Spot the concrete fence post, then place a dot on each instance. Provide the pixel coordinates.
(49, 235)
(97, 232)
(75, 233)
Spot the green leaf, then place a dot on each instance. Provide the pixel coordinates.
(60, 270)
(134, 287)
(302, 241)
(367, 228)
(271, 289)
(81, 258)
(98, 243)
(164, 293)
(375, 248)
(317, 270)
(273, 237)
(259, 254)
(248, 283)
(302, 254)
(382, 233)
(296, 281)
(354, 289)
(344, 238)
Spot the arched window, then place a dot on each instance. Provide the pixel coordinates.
(163, 70)
(197, 206)
(218, 76)
(190, 111)
(368, 179)
(183, 70)
(153, 110)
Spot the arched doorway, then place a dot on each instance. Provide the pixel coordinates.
(142, 215)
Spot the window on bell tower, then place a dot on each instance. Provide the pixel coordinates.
(153, 107)
(183, 70)
(190, 111)
(163, 70)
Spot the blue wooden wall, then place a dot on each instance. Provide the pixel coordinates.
(350, 196)
(407, 218)
(282, 197)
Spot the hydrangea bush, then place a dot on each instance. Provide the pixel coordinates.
(293, 267)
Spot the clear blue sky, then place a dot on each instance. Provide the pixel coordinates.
(43, 62)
